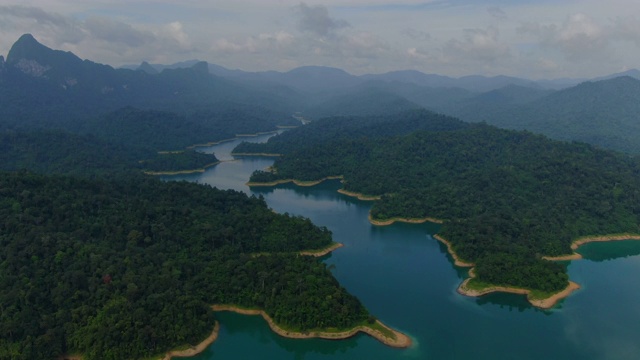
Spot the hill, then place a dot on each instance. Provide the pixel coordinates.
(507, 198)
(603, 113)
(128, 269)
(45, 88)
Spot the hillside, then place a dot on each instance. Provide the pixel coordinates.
(604, 113)
(507, 197)
(45, 88)
(128, 269)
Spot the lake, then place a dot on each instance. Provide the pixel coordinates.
(406, 279)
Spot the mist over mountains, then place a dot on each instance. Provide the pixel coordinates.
(61, 91)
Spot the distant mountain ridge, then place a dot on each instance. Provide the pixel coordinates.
(45, 88)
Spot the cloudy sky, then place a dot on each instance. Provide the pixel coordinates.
(537, 39)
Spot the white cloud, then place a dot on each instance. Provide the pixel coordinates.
(478, 45)
(539, 39)
(316, 20)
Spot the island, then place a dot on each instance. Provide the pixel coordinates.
(509, 202)
(129, 267)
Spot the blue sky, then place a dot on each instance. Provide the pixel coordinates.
(533, 39)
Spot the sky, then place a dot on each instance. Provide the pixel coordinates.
(535, 39)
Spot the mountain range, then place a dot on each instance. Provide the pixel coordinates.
(45, 88)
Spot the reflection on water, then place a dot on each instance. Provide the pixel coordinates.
(603, 251)
(407, 279)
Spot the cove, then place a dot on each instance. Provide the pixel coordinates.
(406, 279)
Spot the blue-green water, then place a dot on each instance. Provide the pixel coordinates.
(407, 280)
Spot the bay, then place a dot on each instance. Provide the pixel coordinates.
(407, 280)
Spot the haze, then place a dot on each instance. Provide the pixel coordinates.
(524, 38)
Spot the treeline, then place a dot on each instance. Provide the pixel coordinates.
(56, 152)
(507, 197)
(127, 269)
(352, 127)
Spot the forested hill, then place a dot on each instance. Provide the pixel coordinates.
(128, 269)
(604, 113)
(45, 88)
(507, 197)
(349, 127)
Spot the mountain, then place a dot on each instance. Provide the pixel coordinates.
(481, 107)
(146, 67)
(634, 73)
(46, 88)
(605, 113)
(362, 101)
(475, 83)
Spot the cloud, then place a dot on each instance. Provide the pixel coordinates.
(497, 13)
(316, 20)
(477, 44)
(627, 28)
(97, 38)
(579, 37)
(262, 43)
(33, 20)
(416, 35)
(117, 32)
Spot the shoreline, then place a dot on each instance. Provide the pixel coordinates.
(195, 350)
(589, 239)
(456, 259)
(401, 340)
(181, 172)
(546, 303)
(256, 154)
(463, 289)
(212, 143)
(321, 252)
(359, 196)
(404, 220)
(296, 182)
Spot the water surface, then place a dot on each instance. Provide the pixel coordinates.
(406, 279)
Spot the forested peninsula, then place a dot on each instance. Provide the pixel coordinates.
(506, 198)
(129, 268)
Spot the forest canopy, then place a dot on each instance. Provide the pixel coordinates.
(127, 269)
(507, 197)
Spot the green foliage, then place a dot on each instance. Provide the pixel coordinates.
(350, 127)
(127, 269)
(501, 192)
(602, 113)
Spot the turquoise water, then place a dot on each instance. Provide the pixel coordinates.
(406, 279)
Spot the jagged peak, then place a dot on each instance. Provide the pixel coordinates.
(148, 68)
(28, 48)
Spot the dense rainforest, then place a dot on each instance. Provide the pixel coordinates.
(507, 197)
(56, 152)
(127, 269)
(349, 127)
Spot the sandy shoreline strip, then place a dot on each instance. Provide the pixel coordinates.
(180, 172)
(195, 350)
(359, 196)
(456, 259)
(589, 239)
(463, 289)
(545, 303)
(404, 220)
(256, 154)
(232, 139)
(400, 341)
(322, 252)
(297, 182)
